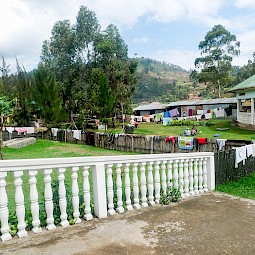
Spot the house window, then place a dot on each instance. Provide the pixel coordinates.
(245, 105)
(241, 94)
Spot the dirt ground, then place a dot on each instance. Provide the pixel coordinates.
(209, 224)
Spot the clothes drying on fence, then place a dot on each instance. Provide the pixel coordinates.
(249, 150)
(201, 140)
(166, 120)
(54, 132)
(185, 143)
(170, 138)
(240, 155)
(21, 130)
(30, 130)
(77, 134)
(10, 129)
(253, 150)
(221, 143)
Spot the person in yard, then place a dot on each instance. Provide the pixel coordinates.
(193, 131)
(187, 132)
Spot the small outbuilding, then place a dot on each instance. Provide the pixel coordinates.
(245, 94)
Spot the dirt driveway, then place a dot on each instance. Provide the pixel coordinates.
(209, 224)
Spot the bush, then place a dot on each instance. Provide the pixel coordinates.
(129, 129)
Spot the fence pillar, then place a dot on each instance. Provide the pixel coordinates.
(210, 173)
(99, 190)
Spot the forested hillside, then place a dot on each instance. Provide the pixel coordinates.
(160, 81)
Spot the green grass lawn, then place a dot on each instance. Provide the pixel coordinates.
(233, 132)
(53, 149)
(245, 187)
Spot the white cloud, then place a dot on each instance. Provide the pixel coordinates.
(181, 57)
(244, 3)
(141, 40)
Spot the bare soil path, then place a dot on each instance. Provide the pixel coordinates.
(209, 224)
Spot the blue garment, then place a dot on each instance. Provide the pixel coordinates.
(166, 114)
(166, 120)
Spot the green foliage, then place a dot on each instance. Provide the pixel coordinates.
(187, 122)
(172, 195)
(159, 81)
(217, 50)
(46, 102)
(129, 129)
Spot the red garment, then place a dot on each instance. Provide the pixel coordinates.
(170, 138)
(201, 140)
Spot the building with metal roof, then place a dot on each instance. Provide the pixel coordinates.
(149, 109)
(245, 94)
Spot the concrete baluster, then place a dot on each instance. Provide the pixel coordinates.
(176, 175)
(19, 200)
(135, 187)
(163, 176)
(196, 176)
(157, 182)
(186, 177)
(110, 193)
(150, 184)
(143, 185)
(120, 208)
(181, 181)
(170, 174)
(75, 195)
(34, 202)
(127, 187)
(191, 178)
(205, 175)
(62, 197)
(4, 212)
(48, 200)
(86, 192)
(200, 175)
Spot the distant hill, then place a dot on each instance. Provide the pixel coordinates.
(160, 81)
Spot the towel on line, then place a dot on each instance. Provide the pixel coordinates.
(240, 155)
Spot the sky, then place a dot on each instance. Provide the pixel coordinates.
(165, 30)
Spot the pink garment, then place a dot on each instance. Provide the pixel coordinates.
(21, 130)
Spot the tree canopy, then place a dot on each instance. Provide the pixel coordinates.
(217, 51)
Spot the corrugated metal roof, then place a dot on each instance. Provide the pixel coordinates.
(152, 106)
(230, 100)
(246, 84)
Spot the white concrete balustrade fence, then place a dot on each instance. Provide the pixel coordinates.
(134, 180)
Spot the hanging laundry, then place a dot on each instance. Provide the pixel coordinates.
(10, 129)
(174, 112)
(240, 155)
(200, 112)
(170, 138)
(166, 114)
(208, 116)
(201, 140)
(221, 143)
(139, 118)
(190, 112)
(249, 150)
(185, 143)
(180, 118)
(198, 117)
(21, 130)
(253, 150)
(54, 132)
(166, 120)
(77, 134)
(30, 130)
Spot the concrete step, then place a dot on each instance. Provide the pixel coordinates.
(19, 142)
